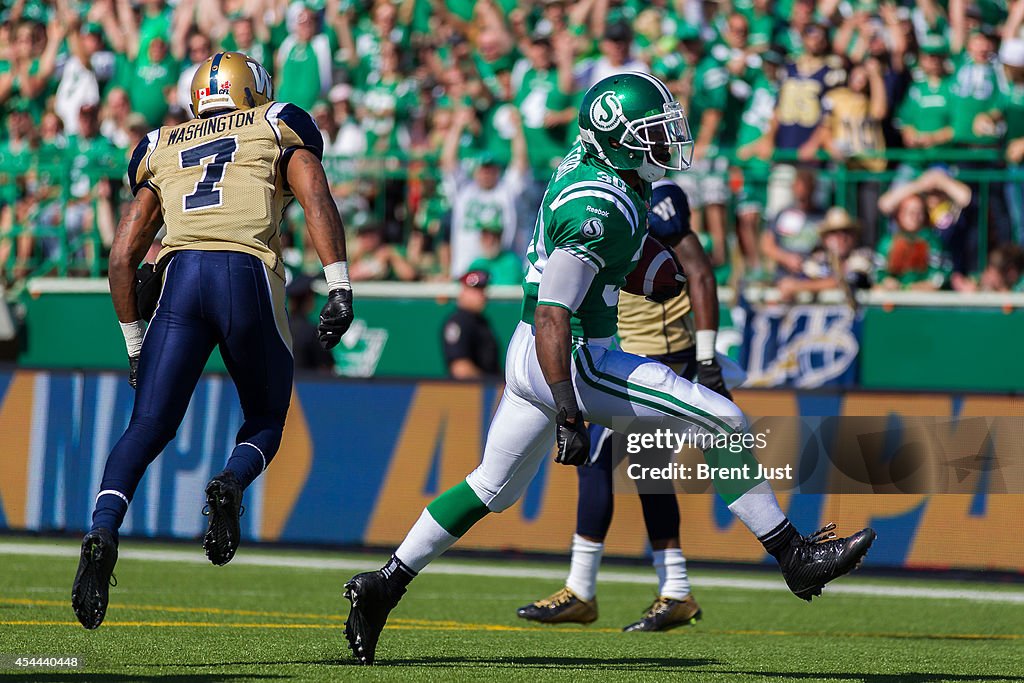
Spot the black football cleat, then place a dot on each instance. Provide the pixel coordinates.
(223, 507)
(91, 590)
(812, 561)
(562, 607)
(372, 597)
(668, 613)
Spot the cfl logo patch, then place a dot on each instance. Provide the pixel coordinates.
(592, 227)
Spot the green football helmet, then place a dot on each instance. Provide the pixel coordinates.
(632, 122)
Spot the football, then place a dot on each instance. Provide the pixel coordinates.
(657, 275)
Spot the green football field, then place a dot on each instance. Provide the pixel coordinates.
(278, 615)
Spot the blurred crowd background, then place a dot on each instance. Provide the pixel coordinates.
(837, 142)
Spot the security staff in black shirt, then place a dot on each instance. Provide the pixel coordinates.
(470, 348)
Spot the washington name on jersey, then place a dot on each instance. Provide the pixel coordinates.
(220, 179)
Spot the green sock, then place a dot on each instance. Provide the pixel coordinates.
(457, 509)
(731, 489)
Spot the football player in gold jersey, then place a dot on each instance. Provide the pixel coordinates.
(220, 185)
(665, 332)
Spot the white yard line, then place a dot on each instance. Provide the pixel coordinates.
(257, 559)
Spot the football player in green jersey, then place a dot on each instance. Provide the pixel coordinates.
(561, 367)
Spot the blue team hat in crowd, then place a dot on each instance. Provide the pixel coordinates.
(669, 217)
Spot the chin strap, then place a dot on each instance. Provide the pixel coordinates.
(650, 172)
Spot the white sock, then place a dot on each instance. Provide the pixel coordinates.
(423, 544)
(586, 560)
(670, 566)
(759, 509)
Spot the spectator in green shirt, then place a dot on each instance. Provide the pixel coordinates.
(250, 38)
(385, 104)
(976, 88)
(303, 64)
(701, 83)
(16, 202)
(945, 200)
(926, 115)
(362, 36)
(798, 15)
(503, 267)
(154, 22)
(241, 31)
(1008, 115)
(753, 149)
(912, 257)
(546, 106)
(151, 81)
(762, 23)
(31, 62)
(93, 162)
(427, 249)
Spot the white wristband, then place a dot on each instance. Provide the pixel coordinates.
(133, 333)
(337, 276)
(706, 344)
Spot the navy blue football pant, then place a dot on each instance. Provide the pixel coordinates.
(595, 503)
(210, 299)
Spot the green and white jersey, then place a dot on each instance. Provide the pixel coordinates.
(976, 89)
(928, 106)
(537, 94)
(1011, 105)
(758, 112)
(590, 212)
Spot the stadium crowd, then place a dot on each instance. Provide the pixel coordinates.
(874, 143)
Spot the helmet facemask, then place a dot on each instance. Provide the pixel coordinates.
(664, 139)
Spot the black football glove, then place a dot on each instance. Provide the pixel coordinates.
(572, 439)
(335, 317)
(133, 371)
(709, 373)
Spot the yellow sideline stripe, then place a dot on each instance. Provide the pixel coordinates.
(444, 625)
(398, 626)
(424, 625)
(163, 624)
(178, 610)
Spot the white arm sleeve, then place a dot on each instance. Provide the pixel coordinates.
(565, 281)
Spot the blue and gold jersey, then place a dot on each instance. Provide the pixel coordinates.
(799, 109)
(220, 179)
(647, 328)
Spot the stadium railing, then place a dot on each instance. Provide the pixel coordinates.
(983, 168)
(61, 252)
(44, 190)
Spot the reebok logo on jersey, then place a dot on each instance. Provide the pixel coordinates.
(592, 227)
(599, 212)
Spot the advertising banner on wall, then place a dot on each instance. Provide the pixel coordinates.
(360, 459)
(800, 346)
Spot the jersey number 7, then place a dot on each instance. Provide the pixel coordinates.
(220, 152)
